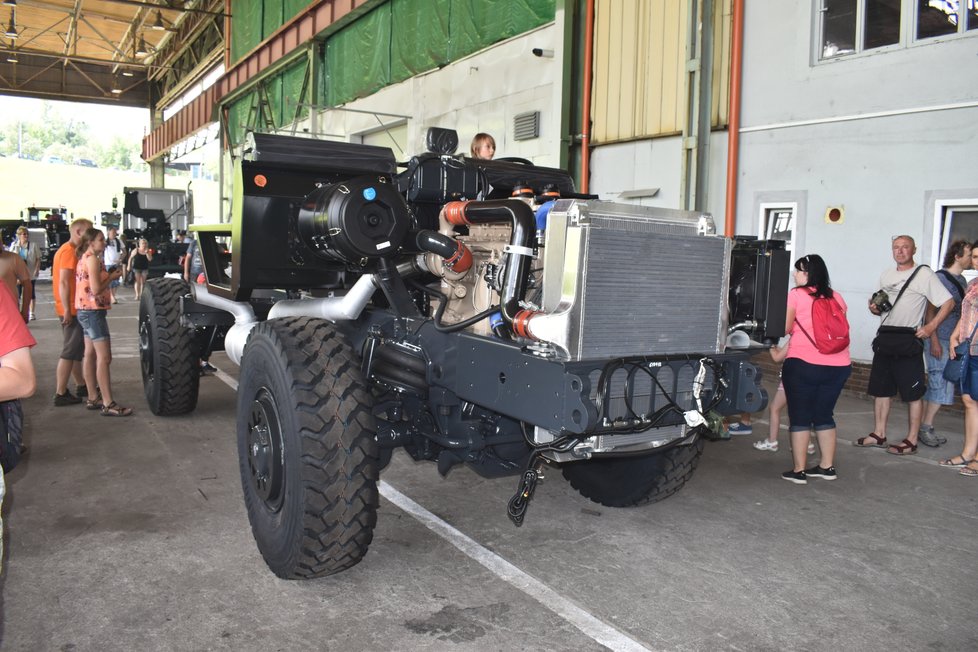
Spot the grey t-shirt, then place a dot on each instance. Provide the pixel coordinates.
(909, 310)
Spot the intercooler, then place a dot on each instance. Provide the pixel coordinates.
(623, 281)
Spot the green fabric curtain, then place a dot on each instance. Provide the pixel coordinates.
(292, 81)
(238, 114)
(420, 37)
(394, 42)
(271, 18)
(246, 24)
(476, 24)
(358, 57)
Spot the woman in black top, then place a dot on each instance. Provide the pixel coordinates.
(139, 265)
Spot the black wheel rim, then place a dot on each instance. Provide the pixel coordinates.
(265, 463)
(146, 349)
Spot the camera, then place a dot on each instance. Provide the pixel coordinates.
(881, 300)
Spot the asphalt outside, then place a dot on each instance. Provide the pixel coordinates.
(131, 534)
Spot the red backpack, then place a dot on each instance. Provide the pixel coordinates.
(829, 324)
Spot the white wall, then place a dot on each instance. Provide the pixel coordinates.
(482, 92)
(883, 134)
(880, 134)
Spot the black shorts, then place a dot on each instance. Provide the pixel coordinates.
(890, 375)
(74, 341)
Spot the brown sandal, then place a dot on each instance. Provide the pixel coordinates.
(903, 448)
(863, 442)
(113, 409)
(95, 404)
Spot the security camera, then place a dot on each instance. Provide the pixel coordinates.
(540, 52)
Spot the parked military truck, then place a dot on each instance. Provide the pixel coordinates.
(470, 312)
(156, 214)
(48, 228)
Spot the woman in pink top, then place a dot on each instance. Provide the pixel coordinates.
(969, 385)
(92, 301)
(812, 380)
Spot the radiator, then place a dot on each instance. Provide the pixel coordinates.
(622, 280)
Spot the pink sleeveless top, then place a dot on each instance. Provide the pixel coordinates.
(85, 298)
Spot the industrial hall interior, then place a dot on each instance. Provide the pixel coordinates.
(488, 325)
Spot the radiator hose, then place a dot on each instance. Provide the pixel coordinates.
(457, 256)
(518, 253)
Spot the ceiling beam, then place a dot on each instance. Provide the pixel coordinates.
(154, 5)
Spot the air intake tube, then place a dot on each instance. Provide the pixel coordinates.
(519, 252)
(457, 256)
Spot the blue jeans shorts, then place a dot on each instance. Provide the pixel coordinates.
(94, 324)
(939, 390)
(812, 391)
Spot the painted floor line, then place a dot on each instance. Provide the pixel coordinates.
(588, 624)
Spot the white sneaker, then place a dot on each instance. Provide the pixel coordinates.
(765, 445)
(811, 448)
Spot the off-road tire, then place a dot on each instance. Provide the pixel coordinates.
(306, 448)
(168, 356)
(637, 480)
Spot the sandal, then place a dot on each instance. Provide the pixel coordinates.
(95, 404)
(905, 447)
(863, 442)
(113, 409)
(951, 464)
(969, 471)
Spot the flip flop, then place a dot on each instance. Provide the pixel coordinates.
(903, 448)
(863, 442)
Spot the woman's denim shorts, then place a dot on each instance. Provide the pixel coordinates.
(94, 324)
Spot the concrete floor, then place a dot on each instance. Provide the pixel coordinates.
(130, 534)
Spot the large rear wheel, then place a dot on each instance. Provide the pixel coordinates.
(168, 356)
(638, 480)
(306, 448)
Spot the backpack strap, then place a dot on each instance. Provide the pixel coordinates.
(946, 274)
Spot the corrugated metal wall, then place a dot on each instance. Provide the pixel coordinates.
(639, 68)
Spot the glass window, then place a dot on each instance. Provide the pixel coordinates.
(839, 27)
(882, 23)
(778, 223)
(958, 223)
(852, 26)
(937, 17)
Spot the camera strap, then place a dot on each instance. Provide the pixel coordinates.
(902, 290)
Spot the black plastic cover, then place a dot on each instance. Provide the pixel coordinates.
(295, 151)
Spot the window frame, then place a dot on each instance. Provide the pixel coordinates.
(908, 31)
(764, 212)
(941, 233)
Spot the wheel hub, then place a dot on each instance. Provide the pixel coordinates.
(265, 450)
(146, 350)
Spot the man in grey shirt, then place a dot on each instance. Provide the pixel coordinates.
(906, 374)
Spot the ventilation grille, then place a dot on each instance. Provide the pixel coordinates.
(526, 126)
